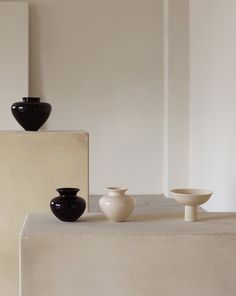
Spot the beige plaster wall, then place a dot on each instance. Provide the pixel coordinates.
(212, 100)
(106, 67)
(100, 64)
(13, 58)
(176, 94)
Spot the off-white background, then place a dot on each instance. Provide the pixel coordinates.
(119, 69)
(13, 59)
(213, 100)
(100, 65)
(176, 94)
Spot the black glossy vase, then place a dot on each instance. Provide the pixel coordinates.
(31, 114)
(68, 207)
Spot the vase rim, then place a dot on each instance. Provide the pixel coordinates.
(191, 191)
(117, 189)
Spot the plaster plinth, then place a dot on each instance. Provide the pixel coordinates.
(33, 165)
(150, 254)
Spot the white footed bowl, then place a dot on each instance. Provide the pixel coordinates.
(191, 198)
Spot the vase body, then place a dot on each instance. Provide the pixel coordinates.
(116, 205)
(31, 114)
(68, 207)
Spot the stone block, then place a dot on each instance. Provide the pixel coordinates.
(33, 165)
(151, 254)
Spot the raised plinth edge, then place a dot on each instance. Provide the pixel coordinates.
(41, 224)
(44, 132)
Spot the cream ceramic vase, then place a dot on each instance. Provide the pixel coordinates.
(116, 205)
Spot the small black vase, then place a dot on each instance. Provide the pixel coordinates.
(68, 207)
(31, 114)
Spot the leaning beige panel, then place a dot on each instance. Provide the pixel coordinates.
(14, 65)
(152, 254)
(33, 165)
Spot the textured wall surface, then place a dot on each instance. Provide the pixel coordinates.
(13, 58)
(100, 64)
(212, 100)
(176, 94)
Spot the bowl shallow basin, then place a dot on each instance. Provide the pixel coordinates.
(191, 197)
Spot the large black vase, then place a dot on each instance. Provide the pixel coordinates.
(68, 207)
(31, 114)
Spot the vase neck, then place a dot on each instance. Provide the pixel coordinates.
(67, 192)
(31, 99)
(116, 191)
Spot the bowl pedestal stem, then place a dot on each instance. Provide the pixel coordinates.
(190, 213)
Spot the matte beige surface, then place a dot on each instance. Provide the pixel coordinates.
(14, 59)
(152, 254)
(33, 165)
(176, 94)
(14, 66)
